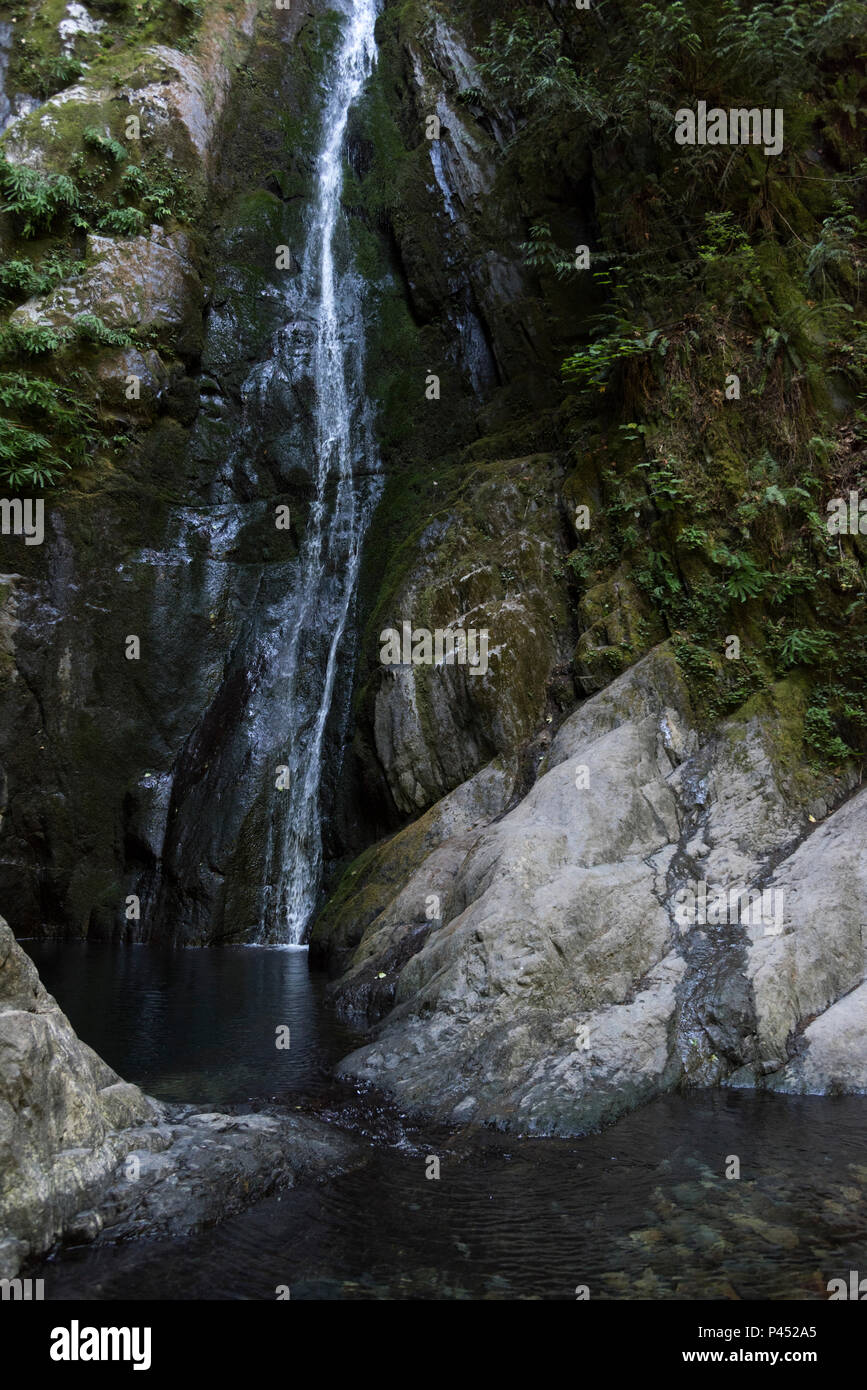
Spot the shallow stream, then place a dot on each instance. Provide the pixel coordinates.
(643, 1210)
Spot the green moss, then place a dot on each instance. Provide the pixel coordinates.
(39, 66)
(91, 177)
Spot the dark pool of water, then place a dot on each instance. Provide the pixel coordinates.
(198, 1025)
(643, 1210)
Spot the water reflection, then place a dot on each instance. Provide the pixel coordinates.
(197, 1025)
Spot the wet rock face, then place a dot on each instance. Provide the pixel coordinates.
(126, 550)
(489, 567)
(488, 551)
(6, 37)
(458, 229)
(156, 777)
(455, 227)
(144, 283)
(85, 1155)
(641, 918)
(152, 783)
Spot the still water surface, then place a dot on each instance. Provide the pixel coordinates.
(643, 1210)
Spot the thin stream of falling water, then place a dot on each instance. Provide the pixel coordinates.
(5, 47)
(307, 649)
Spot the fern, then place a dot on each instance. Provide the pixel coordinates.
(821, 735)
(765, 47)
(122, 222)
(35, 199)
(105, 145)
(746, 580)
(806, 647)
(52, 429)
(22, 279)
(134, 181)
(593, 365)
(833, 255)
(26, 457)
(50, 75)
(541, 252)
(17, 279)
(91, 329)
(32, 339)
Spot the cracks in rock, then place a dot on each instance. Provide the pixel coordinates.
(715, 1021)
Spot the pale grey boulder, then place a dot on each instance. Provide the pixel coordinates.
(818, 959)
(62, 1109)
(833, 1056)
(565, 927)
(565, 921)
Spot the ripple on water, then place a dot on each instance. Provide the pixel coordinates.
(643, 1210)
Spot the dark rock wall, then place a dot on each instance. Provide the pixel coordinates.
(150, 777)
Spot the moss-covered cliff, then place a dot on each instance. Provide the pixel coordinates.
(683, 411)
(712, 355)
(614, 454)
(146, 205)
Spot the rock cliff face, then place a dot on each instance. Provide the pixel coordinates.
(506, 863)
(435, 725)
(166, 530)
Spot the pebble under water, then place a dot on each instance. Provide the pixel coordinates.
(641, 1211)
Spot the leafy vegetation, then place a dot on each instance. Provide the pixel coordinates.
(105, 145)
(43, 431)
(717, 398)
(35, 200)
(23, 339)
(21, 278)
(51, 73)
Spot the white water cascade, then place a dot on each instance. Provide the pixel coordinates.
(5, 47)
(305, 650)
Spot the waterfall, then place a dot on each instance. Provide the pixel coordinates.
(6, 33)
(307, 647)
